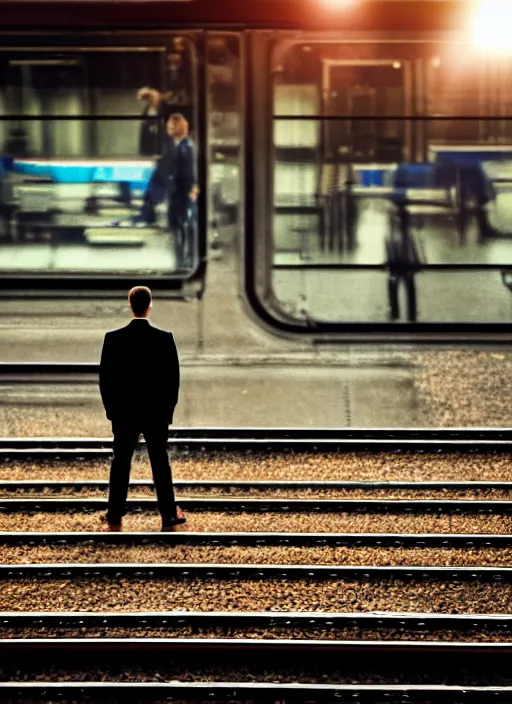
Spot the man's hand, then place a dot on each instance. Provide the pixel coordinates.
(148, 94)
(194, 193)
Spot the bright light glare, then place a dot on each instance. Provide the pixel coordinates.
(492, 30)
(338, 4)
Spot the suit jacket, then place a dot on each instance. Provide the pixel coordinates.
(177, 168)
(139, 373)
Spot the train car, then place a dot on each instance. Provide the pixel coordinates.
(351, 159)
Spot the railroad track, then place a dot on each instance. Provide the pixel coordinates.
(51, 637)
(258, 539)
(253, 572)
(248, 647)
(248, 691)
(261, 433)
(314, 620)
(227, 485)
(56, 487)
(228, 505)
(283, 440)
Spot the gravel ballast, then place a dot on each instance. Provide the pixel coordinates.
(263, 555)
(463, 388)
(172, 669)
(370, 634)
(135, 594)
(272, 522)
(349, 466)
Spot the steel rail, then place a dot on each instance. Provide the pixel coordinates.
(251, 572)
(20, 454)
(423, 622)
(250, 505)
(83, 448)
(82, 646)
(253, 691)
(259, 539)
(262, 485)
(278, 445)
(263, 433)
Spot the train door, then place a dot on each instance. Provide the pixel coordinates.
(362, 93)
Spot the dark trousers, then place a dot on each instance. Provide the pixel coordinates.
(153, 196)
(181, 223)
(126, 436)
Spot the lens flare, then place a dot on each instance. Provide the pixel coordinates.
(337, 4)
(492, 29)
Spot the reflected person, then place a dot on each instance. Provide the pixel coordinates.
(156, 112)
(139, 384)
(174, 178)
(180, 167)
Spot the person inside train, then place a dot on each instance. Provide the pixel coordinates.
(139, 383)
(174, 178)
(180, 168)
(156, 112)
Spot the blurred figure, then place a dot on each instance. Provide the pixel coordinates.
(156, 112)
(180, 167)
(174, 178)
(139, 384)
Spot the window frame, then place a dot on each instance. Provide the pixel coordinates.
(182, 285)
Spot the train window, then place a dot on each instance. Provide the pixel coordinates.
(98, 167)
(332, 110)
(387, 185)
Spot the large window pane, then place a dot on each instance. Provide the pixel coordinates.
(365, 192)
(94, 176)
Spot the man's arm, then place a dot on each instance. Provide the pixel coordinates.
(172, 376)
(189, 169)
(106, 375)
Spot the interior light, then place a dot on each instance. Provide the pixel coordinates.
(397, 64)
(436, 62)
(492, 26)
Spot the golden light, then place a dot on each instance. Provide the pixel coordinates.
(492, 28)
(338, 4)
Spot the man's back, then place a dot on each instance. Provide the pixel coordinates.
(139, 372)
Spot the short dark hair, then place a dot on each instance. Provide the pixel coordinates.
(140, 299)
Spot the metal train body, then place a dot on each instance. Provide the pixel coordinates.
(344, 151)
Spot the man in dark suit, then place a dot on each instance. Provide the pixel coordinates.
(179, 163)
(139, 385)
(174, 178)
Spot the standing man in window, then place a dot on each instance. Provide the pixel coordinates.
(152, 141)
(179, 166)
(175, 177)
(139, 385)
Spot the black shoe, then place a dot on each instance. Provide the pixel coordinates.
(111, 527)
(179, 520)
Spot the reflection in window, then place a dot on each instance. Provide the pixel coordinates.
(346, 193)
(104, 177)
(456, 88)
(225, 125)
